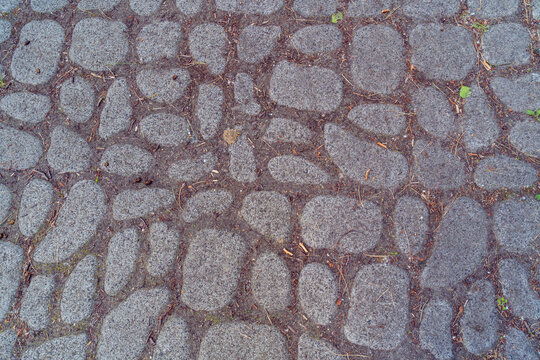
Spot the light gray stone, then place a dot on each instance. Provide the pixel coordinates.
(410, 224)
(442, 52)
(522, 299)
(5, 30)
(256, 42)
(35, 302)
(11, 258)
(506, 44)
(433, 111)
(122, 255)
(131, 204)
(145, 7)
(519, 94)
(305, 88)
(453, 259)
(126, 328)
(207, 43)
(78, 295)
(8, 5)
(105, 5)
(368, 8)
(163, 85)
(481, 128)
(98, 44)
(189, 170)
(71, 347)
(27, 107)
(158, 40)
(164, 241)
(435, 334)
(244, 95)
(205, 203)
(5, 202)
(173, 342)
(285, 130)
(48, 6)
(165, 129)
(76, 223)
(387, 168)
(241, 340)
(77, 99)
(211, 270)
(519, 347)
(536, 9)
(379, 307)
(317, 39)
(515, 224)
(501, 171)
(18, 149)
(209, 109)
(309, 8)
(68, 151)
(269, 213)
(242, 164)
(297, 170)
(189, 7)
(379, 118)
(7, 343)
(36, 202)
(341, 223)
(493, 9)
(126, 160)
(525, 136)
(116, 114)
(271, 282)
(262, 7)
(312, 349)
(426, 10)
(317, 292)
(35, 60)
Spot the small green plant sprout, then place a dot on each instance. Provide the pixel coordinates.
(337, 17)
(501, 303)
(3, 84)
(480, 27)
(535, 114)
(464, 92)
(537, 197)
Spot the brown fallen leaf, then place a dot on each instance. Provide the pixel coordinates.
(230, 136)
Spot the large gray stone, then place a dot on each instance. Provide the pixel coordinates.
(7, 343)
(207, 44)
(78, 295)
(271, 282)
(378, 314)
(98, 44)
(261, 7)
(519, 347)
(105, 5)
(317, 39)
(257, 42)
(208, 202)
(189, 170)
(423, 10)
(164, 241)
(116, 114)
(442, 52)
(244, 95)
(5, 30)
(11, 258)
(5, 202)
(189, 7)
(501, 171)
(285, 130)
(125, 329)
(525, 136)
(8, 5)
(173, 342)
(242, 164)
(126, 160)
(368, 8)
(494, 8)
(211, 269)
(506, 44)
(77, 99)
(313, 349)
(370, 44)
(458, 251)
(48, 6)
(515, 224)
(76, 223)
(209, 109)
(318, 293)
(145, 7)
(269, 213)
(131, 204)
(165, 129)
(309, 8)
(68, 151)
(481, 128)
(241, 340)
(36, 202)
(356, 158)
(296, 170)
(27, 107)
(71, 347)
(305, 88)
(123, 251)
(341, 223)
(35, 60)
(522, 299)
(163, 85)
(433, 111)
(435, 334)
(410, 224)
(36, 301)
(383, 119)
(18, 149)
(158, 40)
(519, 94)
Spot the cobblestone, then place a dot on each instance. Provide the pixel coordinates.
(158, 40)
(165, 85)
(35, 205)
(77, 99)
(71, 347)
(131, 204)
(19, 150)
(525, 137)
(518, 346)
(27, 107)
(207, 43)
(493, 9)
(433, 111)
(145, 7)
(7, 343)
(481, 128)
(263, 7)
(317, 291)
(204, 203)
(271, 282)
(35, 302)
(295, 169)
(209, 109)
(164, 241)
(189, 170)
(506, 44)
(522, 299)
(498, 172)
(79, 290)
(379, 118)
(435, 333)
(312, 349)
(68, 151)
(269, 213)
(515, 224)
(257, 42)
(317, 39)
(173, 342)
(126, 160)
(10, 276)
(5, 30)
(5, 202)
(48, 6)
(519, 94)
(285, 130)
(116, 114)
(122, 254)
(165, 129)
(410, 224)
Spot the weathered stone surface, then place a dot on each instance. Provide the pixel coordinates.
(207, 43)
(312, 349)
(189, 7)
(189, 170)
(518, 346)
(435, 334)
(163, 85)
(370, 44)
(285, 130)
(11, 258)
(76, 223)
(35, 302)
(173, 342)
(7, 343)
(520, 94)
(211, 270)
(209, 109)
(27, 107)
(244, 95)
(121, 260)
(433, 111)
(536, 9)
(379, 118)
(242, 164)
(379, 309)
(506, 44)
(48, 6)
(35, 205)
(501, 171)
(145, 7)
(515, 224)
(36, 57)
(262, 7)
(208, 202)
(116, 114)
(5, 30)
(410, 224)
(71, 347)
(442, 52)
(309, 8)
(271, 282)
(479, 322)
(68, 151)
(126, 160)
(227, 341)
(305, 88)
(422, 10)
(387, 168)
(164, 241)
(367, 8)
(77, 99)
(297, 170)
(98, 44)
(436, 167)
(5, 202)
(339, 222)
(131, 204)
(158, 40)
(165, 129)
(18, 149)
(79, 291)
(317, 38)
(525, 136)
(269, 213)
(493, 9)
(317, 292)
(8, 5)
(257, 42)
(481, 128)
(452, 258)
(105, 5)
(125, 329)
(522, 299)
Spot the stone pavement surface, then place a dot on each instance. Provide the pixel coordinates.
(269, 179)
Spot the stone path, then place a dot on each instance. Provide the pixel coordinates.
(269, 179)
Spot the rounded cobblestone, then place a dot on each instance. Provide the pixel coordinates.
(77, 99)
(379, 118)
(271, 282)
(78, 294)
(48, 6)
(522, 298)
(515, 224)
(122, 254)
(433, 111)
(36, 202)
(501, 171)
(525, 136)
(68, 151)
(70, 347)
(27, 107)
(269, 213)
(5, 30)
(5, 202)
(481, 128)
(7, 343)
(36, 300)
(318, 293)
(313, 349)
(158, 40)
(131, 204)
(207, 44)
(493, 9)
(262, 7)
(173, 342)
(519, 94)
(189, 170)
(204, 203)
(209, 109)
(116, 114)
(435, 334)
(165, 129)
(317, 39)
(11, 257)
(410, 224)
(18, 149)
(506, 44)
(126, 160)
(297, 170)
(164, 241)
(257, 42)
(163, 85)
(285, 130)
